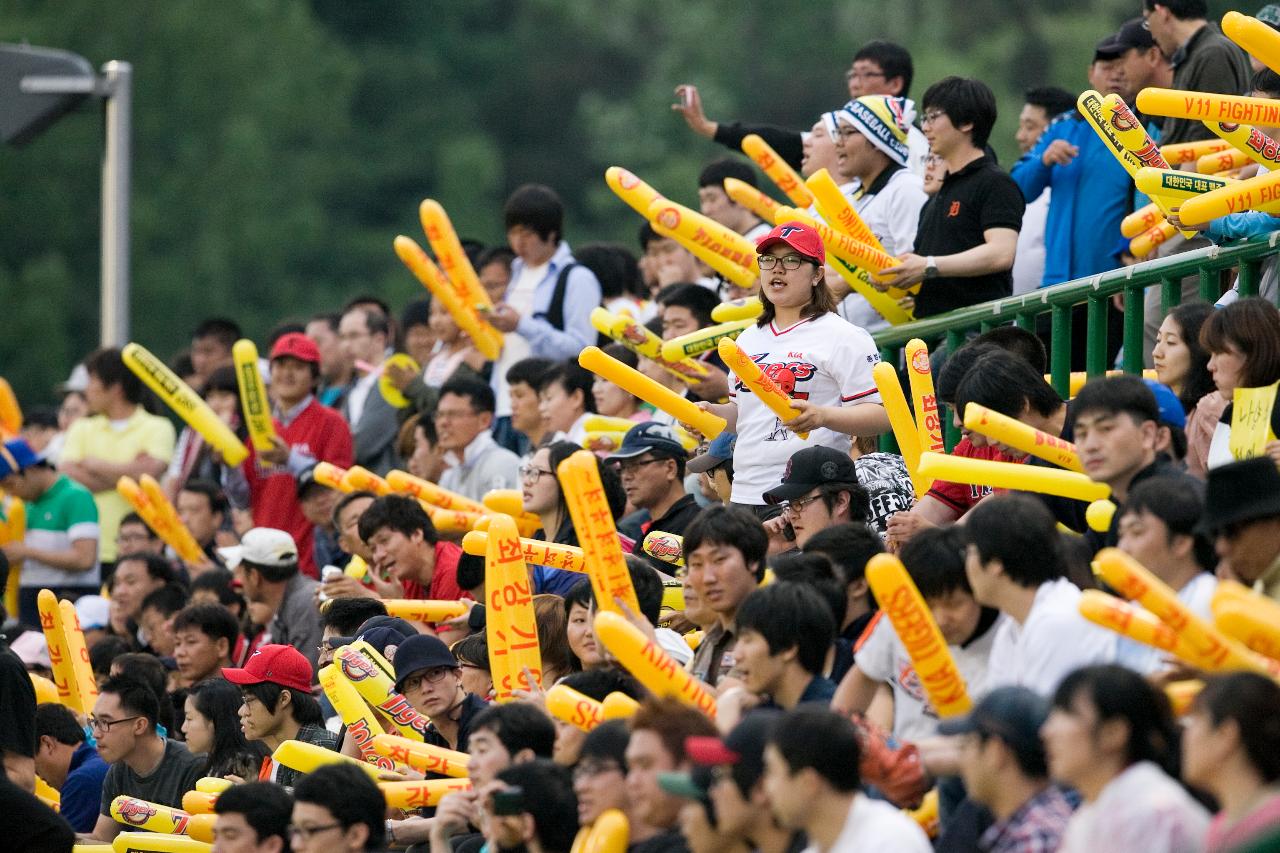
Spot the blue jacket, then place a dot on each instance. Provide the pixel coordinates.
(582, 296)
(1090, 196)
(81, 793)
(1237, 226)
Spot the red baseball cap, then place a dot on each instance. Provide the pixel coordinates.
(296, 345)
(798, 236)
(283, 665)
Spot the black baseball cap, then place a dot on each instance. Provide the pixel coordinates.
(650, 437)
(1012, 714)
(1132, 34)
(419, 652)
(809, 468)
(392, 623)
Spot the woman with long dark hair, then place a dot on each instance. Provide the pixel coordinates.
(1182, 363)
(212, 726)
(1243, 341)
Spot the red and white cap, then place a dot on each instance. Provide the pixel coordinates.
(277, 664)
(798, 236)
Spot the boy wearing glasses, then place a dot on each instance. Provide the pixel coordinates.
(143, 764)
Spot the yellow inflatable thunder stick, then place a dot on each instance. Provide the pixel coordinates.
(1175, 184)
(569, 706)
(486, 339)
(1252, 142)
(916, 629)
(753, 378)
(728, 270)
(619, 706)
(148, 842)
(835, 208)
(1147, 242)
(1258, 193)
(453, 520)
(1080, 377)
(1133, 622)
(198, 802)
(703, 340)
(1208, 647)
(154, 817)
(1180, 153)
(604, 423)
(900, 421)
(855, 252)
(631, 189)
(328, 474)
(536, 552)
(1250, 618)
(1209, 106)
(78, 655)
(425, 610)
(373, 681)
(213, 784)
(738, 309)
(402, 481)
(1140, 220)
(13, 528)
(643, 342)
(1099, 514)
(664, 546)
(64, 677)
(426, 757)
(1262, 42)
(611, 833)
(650, 665)
(176, 534)
(778, 170)
(511, 502)
(580, 484)
(253, 395)
(46, 690)
(10, 411)
(705, 232)
(1014, 433)
(751, 198)
(515, 657)
(636, 383)
(305, 757)
(419, 795)
(360, 721)
(1223, 161)
(1011, 475)
(185, 403)
(1128, 130)
(453, 261)
(920, 377)
(362, 479)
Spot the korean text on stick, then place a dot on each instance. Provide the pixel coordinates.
(650, 665)
(78, 654)
(59, 655)
(510, 626)
(1020, 436)
(402, 481)
(185, 402)
(635, 382)
(901, 601)
(601, 549)
(1257, 145)
(253, 395)
(360, 721)
(426, 757)
(487, 339)
(418, 795)
(785, 177)
(1256, 193)
(920, 377)
(900, 421)
(751, 376)
(536, 551)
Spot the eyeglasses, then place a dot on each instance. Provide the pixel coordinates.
(588, 769)
(529, 472)
(431, 676)
(931, 117)
(630, 466)
(100, 725)
(789, 262)
(797, 506)
(307, 832)
(862, 75)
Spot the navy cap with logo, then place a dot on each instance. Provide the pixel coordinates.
(809, 468)
(650, 437)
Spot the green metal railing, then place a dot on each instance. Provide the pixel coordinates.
(1095, 291)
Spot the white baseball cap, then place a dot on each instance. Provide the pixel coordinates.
(94, 611)
(262, 546)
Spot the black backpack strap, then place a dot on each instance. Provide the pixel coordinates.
(555, 311)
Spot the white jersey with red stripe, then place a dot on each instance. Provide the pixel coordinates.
(823, 360)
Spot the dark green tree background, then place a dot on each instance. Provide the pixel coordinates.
(280, 145)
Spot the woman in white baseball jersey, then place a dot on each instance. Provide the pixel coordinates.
(820, 361)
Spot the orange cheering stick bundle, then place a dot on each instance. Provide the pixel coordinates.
(358, 479)
(786, 178)
(751, 198)
(78, 654)
(149, 501)
(835, 208)
(360, 721)
(328, 474)
(536, 552)
(634, 382)
(486, 338)
(419, 795)
(919, 634)
(1250, 141)
(450, 255)
(515, 658)
(650, 665)
(402, 481)
(1014, 433)
(583, 491)
(1129, 621)
(1191, 152)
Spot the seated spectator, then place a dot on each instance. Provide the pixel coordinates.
(849, 547)
(545, 822)
(610, 400)
(1182, 363)
(70, 764)
(659, 731)
(715, 203)
(149, 669)
(476, 464)
(419, 446)
(136, 576)
(143, 764)
(819, 489)
(565, 401)
(884, 477)
(212, 727)
(472, 653)
(215, 587)
(1243, 353)
(156, 617)
(203, 508)
(651, 465)
(337, 808)
(406, 549)
(551, 625)
(579, 603)
(524, 379)
(277, 705)
(342, 618)
(427, 674)
(251, 816)
(1242, 514)
(1004, 767)
(317, 502)
(784, 632)
(365, 336)
(600, 776)
(1231, 748)
(664, 262)
(134, 537)
(267, 562)
(346, 524)
(1112, 737)
(812, 780)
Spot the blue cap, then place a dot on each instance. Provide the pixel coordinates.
(16, 456)
(650, 437)
(419, 652)
(718, 451)
(1171, 411)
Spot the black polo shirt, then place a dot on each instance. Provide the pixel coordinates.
(972, 201)
(682, 512)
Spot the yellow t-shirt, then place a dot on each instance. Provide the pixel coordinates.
(96, 437)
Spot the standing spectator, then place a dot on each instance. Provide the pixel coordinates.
(211, 346)
(337, 808)
(1143, 62)
(193, 457)
(70, 764)
(365, 338)
(1004, 767)
(143, 764)
(1014, 563)
(116, 439)
(968, 232)
(335, 366)
(551, 297)
(812, 778)
(849, 547)
(715, 203)
(476, 463)
(60, 548)
(266, 561)
(1112, 737)
(651, 463)
(251, 816)
(1040, 107)
(1242, 513)
(309, 433)
(819, 489)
